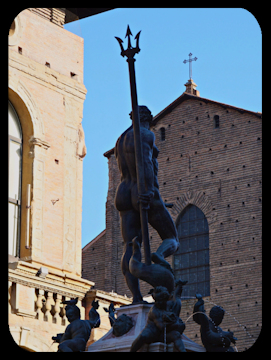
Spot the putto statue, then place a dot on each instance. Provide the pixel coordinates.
(213, 338)
(163, 323)
(78, 331)
(120, 325)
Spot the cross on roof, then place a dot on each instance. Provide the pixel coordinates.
(190, 64)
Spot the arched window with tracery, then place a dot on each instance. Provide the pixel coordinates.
(191, 261)
(14, 180)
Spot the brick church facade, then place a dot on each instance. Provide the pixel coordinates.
(210, 174)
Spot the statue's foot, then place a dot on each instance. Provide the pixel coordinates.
(140, 302)
(158, 259)
(137, 299)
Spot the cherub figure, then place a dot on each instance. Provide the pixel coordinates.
(111, 313)
(213, 338)
(120, 325)
(163, 317)
(78, 331)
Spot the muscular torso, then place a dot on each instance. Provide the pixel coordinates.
(125, 154)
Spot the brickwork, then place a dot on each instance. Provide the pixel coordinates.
(113, 248)
(95, 269)
(218, 170)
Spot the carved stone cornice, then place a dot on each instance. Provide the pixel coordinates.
(37, 141)
(43, 286)
(27, 276)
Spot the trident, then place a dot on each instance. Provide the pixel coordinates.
(130, 53)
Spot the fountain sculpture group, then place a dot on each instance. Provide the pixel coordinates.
(163, 325)
(139, 202)
(163, 321)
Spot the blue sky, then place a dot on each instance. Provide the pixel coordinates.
(227, 43)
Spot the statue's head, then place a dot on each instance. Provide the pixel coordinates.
(72, 312)
(160, 294)
(217, 314)
(144, 114)
(122, 325)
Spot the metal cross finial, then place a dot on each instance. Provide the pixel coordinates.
(130, 51)
(190, 65)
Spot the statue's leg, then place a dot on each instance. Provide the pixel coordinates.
(130, 228)
(148, 335)
(64, 347)
(137, 343)
(175, 337)
(179, 345)
(161, 221)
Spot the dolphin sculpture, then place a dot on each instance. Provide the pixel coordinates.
(157, 274)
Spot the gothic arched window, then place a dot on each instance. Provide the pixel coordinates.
(191, 261)
(14, 179)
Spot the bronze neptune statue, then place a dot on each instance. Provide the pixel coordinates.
(127, 201)
(137, 198)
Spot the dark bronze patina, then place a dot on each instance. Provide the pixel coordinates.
(213, 338)
(77, 333)
(138, 199)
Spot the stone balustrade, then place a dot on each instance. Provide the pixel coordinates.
(38, 303)
(41, 297)
(36, 309)
(49, 307)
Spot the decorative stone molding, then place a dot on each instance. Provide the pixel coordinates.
(25, 273)
(75, 291)
(20, 88)
(16, 31)
(81, 146)
(37, 141)
(197, 198)
(41, 286)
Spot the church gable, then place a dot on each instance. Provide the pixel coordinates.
(202, 138)
(185, 96)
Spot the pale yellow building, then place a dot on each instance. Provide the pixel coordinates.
(46, 151)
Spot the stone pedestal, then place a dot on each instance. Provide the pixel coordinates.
(139, 313)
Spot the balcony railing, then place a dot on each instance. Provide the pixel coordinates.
(40, 296)
(45, 305)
